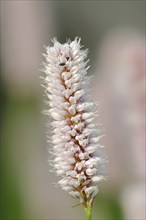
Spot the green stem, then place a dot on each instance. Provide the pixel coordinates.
(88, 212)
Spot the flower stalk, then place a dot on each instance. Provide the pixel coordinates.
(76, 150)
(88, 212)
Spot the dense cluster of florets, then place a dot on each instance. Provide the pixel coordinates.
(75, 138)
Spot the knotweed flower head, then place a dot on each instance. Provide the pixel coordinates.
(75, 139)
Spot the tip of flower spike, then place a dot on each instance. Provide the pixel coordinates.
(68, 40)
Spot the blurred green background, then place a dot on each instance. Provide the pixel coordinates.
(114, 33)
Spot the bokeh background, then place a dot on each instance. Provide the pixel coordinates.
(114, 32)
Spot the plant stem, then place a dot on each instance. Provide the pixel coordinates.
(88, 212)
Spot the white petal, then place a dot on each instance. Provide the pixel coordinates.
(76, 118)
(72, 109)
(73, 100)
(97, 179)
(90, 190)
(90, 171)
(75, 194)
(81, 156)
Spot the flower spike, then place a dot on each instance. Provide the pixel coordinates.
(77, 157)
